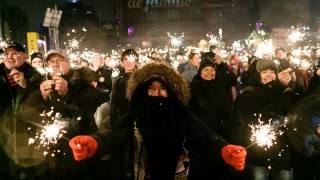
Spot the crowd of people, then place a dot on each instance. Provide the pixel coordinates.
(158, 120)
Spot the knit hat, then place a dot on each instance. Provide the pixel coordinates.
(56, 51)
(264, 64)
(206, 62)
(36, 55)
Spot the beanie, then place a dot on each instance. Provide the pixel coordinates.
(263, 65)
(36, 55)
(206, 62)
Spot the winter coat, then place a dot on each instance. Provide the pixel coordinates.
(119, 101)
(305, 165)
(11, 96)
(189, 72)
(10, 102)
(266, 103)
(153, 132)
(26, 160)
(104, 83)
(209, 101)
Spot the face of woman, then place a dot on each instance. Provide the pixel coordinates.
(157, 89)
(267, 76)
(129, 63)
(208, 73)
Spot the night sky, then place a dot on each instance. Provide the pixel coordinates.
(36, 9)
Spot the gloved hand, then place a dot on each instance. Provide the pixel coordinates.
(234, 156)
(83, 147)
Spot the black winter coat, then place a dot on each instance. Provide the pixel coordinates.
(104, 83)
(119, 101)
(80, 101)
(209, 101)
(162, 141)
(267, 101)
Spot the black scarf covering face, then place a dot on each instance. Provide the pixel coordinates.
(162, 131)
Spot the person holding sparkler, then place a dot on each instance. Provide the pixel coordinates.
(263, 105)
(17, 80)
(65, 103)
(284, 62)
(209, 101)
(154, 129)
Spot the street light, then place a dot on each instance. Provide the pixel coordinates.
(52, 20)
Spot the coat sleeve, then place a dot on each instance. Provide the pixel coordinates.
(199, 134)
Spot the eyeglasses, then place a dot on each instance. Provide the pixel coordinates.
(59, 61)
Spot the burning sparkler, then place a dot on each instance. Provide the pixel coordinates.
(52, 129)
(175, 40)
(264, 134)
(297, 34)
(214, 40)
(3, 43)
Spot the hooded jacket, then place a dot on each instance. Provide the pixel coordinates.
(156, 127)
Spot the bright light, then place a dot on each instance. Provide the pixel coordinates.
(176, 41)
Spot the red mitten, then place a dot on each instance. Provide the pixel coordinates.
(83, 147)
(234, 156)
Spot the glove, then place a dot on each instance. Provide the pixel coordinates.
(83, 147)
(234, 156)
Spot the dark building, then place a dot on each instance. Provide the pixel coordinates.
(81, 22)
(149, 21)
(13, 22)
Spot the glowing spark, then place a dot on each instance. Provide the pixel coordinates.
(264, 135)
(264, 48)
(74, 44)
(176, 41)
(213, 40)
(237, 46)
(297, 34)
(132, 57)
(3, 44)
(115, 73)
(50, 133)
(305, 64)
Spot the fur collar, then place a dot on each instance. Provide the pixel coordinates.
(175, 81)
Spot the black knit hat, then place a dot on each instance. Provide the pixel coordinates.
(264, 64)
(16, 46)
(36, 55)
(206, 62)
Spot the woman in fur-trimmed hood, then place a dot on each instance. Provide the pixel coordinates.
(156, 70)
(155, 127)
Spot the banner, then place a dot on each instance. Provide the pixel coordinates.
(32, 39)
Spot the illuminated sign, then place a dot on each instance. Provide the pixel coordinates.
(157, 3)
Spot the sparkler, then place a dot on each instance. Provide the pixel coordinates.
(52, 130)
(175, 40)
(264, 48)
(214, 40)
(297, 34)
(264, 134)
(3, 43)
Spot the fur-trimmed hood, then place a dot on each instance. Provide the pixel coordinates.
(175, 81)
